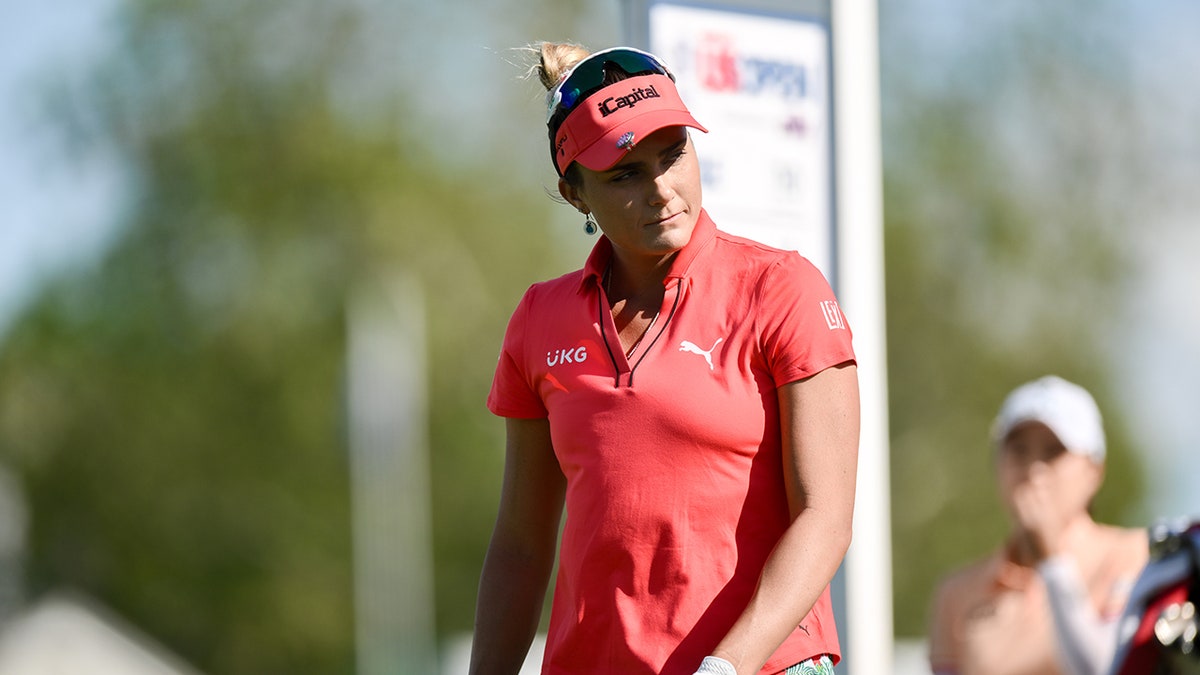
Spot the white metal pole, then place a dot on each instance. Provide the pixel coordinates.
(868, 565)
(390, 493)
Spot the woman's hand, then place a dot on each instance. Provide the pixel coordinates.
(1039, 512)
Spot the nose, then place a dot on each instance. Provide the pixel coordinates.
(662, 190)
(1037, 471)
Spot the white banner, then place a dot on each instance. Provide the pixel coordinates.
(760, 84)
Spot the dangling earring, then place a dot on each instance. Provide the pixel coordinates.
(589, 225)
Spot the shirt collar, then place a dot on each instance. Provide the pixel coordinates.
(702, 235)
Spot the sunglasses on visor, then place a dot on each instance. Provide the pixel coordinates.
(592, 74)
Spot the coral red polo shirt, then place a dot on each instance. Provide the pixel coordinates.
(675, 492)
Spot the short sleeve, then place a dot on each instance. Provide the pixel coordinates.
(513, 393)
(802, 327)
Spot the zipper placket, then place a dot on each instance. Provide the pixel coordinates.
(608, 345)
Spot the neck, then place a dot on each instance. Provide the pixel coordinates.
(637, 279)
(635, 304)
(631, 297)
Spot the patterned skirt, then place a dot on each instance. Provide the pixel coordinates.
(818, 666)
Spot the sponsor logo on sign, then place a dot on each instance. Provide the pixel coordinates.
(722, 67)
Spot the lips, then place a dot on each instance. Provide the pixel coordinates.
(664, 220)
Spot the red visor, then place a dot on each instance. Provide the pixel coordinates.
(610, 122)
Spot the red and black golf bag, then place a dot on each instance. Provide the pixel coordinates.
(1158, 627)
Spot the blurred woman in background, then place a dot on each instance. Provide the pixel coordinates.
(1048, 601)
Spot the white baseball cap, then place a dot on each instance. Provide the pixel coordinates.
(1067, 409)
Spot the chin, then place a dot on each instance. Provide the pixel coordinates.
(667, 244)
(676, 237)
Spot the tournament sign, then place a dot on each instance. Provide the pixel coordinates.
(760, 84)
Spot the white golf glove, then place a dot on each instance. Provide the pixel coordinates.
(715, 665)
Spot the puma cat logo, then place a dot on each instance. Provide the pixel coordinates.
(689, 346)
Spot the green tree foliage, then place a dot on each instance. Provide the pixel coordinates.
(176, 411)
(1003, 247)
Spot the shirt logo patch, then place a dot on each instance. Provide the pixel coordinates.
(568, 355)
(833, 315)
(689, 346)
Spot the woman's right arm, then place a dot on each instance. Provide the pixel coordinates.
(1086, 640)
(520, 556)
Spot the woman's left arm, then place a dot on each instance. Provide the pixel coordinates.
(819, 424)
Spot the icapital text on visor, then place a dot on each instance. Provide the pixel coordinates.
(628, 101)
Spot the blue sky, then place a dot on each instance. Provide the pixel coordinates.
(59, 209)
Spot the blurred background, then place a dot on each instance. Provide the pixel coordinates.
(201, 197)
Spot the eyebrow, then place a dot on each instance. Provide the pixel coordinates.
(633, 165)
